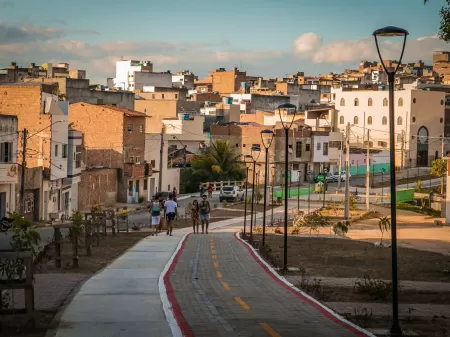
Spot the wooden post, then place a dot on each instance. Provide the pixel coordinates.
(74, 247)
(88, 237)
(97, 233)
(57, 232)
(113, 224)
(103, 219)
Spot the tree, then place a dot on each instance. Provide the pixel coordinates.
(219, 163)
(444, 29)
(438, 169)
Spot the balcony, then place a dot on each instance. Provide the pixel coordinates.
(137, 170)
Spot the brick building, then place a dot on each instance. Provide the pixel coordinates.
(224, 82)
(115, 138)
(38, 109)
(97, 187)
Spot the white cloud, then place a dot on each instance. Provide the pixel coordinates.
(306, 44)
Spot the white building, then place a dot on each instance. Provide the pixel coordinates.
(419, 122)
(73, 167)
(134, 75)
(8, 164)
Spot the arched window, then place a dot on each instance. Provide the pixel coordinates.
(400, 101)
(369, 102)
(342, 102)
(399, 120)
(385, 102)
(384, 121)
(341, 120)
(369, 120)
(356, 102)
(355, 120)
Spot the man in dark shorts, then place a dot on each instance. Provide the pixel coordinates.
(170, 207)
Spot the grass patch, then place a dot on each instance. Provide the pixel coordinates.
(418, 209)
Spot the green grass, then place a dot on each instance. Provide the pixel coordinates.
(418, 209)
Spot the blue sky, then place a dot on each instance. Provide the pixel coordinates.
(205, 27)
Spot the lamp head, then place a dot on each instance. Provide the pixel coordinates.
(287, 107)
(267, 138)
(390, 31)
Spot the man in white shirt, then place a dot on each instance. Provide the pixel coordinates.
(170, 208)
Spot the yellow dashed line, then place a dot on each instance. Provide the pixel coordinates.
(213, 251)
(242, 303)
(216, 265)
(219, 274)
(269, 330)
(214, 257)
(226, 286)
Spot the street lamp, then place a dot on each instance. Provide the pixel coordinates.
(391, 31)
(298, 190)
(273, 182)
(254, 154)
(258, 167)
(247, 160)
(289, 109)
(267, 140)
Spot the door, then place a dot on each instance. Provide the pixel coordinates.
(2, 205)
(66, 204)
(45, 205)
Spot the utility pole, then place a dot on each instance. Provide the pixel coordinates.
(340, 162)
(443, 147)
(402, 149)
(24, 165)
(184, 157)
(368, 171)
(347, 161)
(161, 151)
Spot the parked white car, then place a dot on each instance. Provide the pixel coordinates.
(233, 193)
(343, 176)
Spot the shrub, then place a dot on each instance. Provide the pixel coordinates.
(141, 200)
(375, 288)
(224, 203)
(278, 230)
(385, 225)
(258, 230)
(418, 185)
(96, 209)
(352, 202)
(341, 227)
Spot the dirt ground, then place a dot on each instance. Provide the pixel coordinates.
(257, 207)
(348, 258)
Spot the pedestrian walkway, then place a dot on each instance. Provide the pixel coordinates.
(220, 288)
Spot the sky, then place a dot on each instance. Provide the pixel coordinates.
(262, 37)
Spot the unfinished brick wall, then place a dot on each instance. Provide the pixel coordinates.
(97, 187)
(134, 140)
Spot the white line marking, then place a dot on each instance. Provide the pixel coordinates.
(282, 279)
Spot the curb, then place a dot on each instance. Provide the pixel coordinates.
(327, 312)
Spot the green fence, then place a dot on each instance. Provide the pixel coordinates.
(405, 195)
(293, 192)
(374, 168)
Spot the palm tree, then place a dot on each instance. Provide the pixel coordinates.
(219, 163)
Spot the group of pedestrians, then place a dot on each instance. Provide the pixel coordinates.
(199, 213)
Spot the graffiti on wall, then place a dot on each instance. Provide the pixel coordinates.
(29, 202)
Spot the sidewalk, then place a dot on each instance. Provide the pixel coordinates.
(124, 298)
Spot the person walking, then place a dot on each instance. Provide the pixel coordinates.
(155, 210)
(170, 207)
(205, 209)
(174, 194)
(210, 190)
(195, 215)
(202, 190)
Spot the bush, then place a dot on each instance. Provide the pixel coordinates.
(341, 227)
(352, 202)
(141, 200)
(258, 230)
(96, 209)
(278, 230)
(376, 289)
(418, 185)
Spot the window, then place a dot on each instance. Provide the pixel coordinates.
(400, 101)
(384, 121)
(153, 163)
(137, 160)
(325, 149)
(385, 102)
(130, 127)
(137, 186)
(442, 102)
(176, 96)
(6, 153)
(399, 120)
(341, 120)
(145, 110)
(298, 149)
(295, 167)
(145, 184)
(414, 119)
(130, 186)
(369, 120)
(414, 100)
(382, 144)
(342, 103)
(355, 120)
(64, 150)
(318, 146)
(356, 102)
(153, 96)
(162, 96)
(364, 161)
(141, 128)
(369, 102)
(77, 160)
(441, 120)
(56, 150)
(131, 160)
(308, 147)
(353, 162)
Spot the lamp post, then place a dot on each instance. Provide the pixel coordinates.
(247, 161)
(298, 190)
(258, 168)
(266, 139)
(309, 191)
(254, 154)
(273, 182)
(289, 109)
(391, 31)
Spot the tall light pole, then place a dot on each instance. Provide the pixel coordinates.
(254, 154)
(258, 168)
(288, 110)
(273, 183)
(298, 190)
(266, 139)
(247, 161)
(389, 32)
